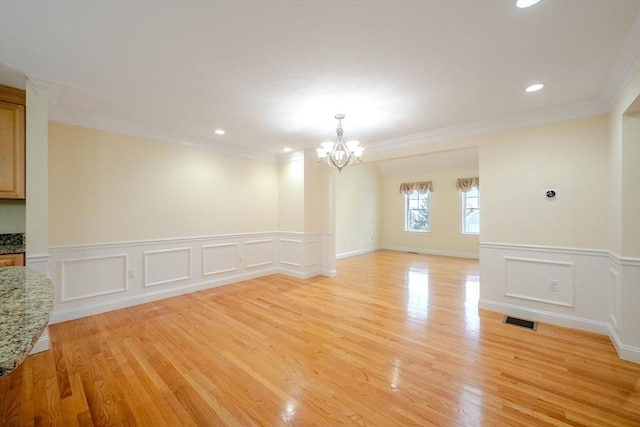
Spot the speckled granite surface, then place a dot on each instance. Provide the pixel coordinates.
(26, 302)
(11, 243)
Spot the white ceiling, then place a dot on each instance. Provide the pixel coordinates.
(274, 73)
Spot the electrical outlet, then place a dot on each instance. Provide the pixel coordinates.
(553, 285)
(131, 274)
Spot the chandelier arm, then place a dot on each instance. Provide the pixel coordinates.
(340, 155)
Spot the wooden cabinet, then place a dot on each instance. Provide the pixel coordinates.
(12, 143)
(10, 260)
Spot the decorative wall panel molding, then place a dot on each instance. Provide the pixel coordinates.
(291, 252)
(166, 266)
(602, 289)
(90, 277)
(220, 258)
(312, 254)
(259, 253)
(107, 276)
(624, 297)
(550, 282)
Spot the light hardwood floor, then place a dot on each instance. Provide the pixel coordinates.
(395, 339)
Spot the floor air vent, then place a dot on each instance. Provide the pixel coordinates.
(528, 324)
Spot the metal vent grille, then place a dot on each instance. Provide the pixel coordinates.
(528, 324)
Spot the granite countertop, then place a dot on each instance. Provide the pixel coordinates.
(26, 302)
(11, 243)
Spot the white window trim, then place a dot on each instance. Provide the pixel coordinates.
(461, 215)
(404, 214)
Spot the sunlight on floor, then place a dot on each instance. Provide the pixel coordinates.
(418, 293)
(471, 297)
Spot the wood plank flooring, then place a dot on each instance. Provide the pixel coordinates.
(395, 339)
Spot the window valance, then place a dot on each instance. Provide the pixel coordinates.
(421, 187)
(466, 184)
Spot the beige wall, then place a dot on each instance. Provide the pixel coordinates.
(291, 194)
(631, 185)
(317, 195)
(516, 166)
(304, 193)
(445, 218)
(358, 208)
(107, 187)
(625, 171)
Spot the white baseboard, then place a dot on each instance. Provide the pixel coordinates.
(624, 299)
(299, 274)
(427, 251)
(330, 273)
(626, 352)
(596, 290)
(42, 344)
(63, 315)
(96, 278)
(356, 252)
(537, 315)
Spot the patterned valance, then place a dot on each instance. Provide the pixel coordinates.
(465, 184)
(421, 187)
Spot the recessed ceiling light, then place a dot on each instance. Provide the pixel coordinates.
(219, 132)
(534, 87)
(526, 3)
(287, 149)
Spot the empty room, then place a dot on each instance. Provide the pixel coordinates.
(320, 213)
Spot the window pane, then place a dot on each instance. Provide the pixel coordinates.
(416, 212)
(472, 203)
(471, 211)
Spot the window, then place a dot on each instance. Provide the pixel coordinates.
(416, 212)
(470, 211)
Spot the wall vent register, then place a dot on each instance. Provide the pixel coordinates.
(528, 324)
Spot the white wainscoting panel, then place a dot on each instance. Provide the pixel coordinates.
(258, 253)
(305, 255)
(313, 254)
(328, 254)
(39, 262)
(606, 289)
(615, 295)
(220, 258)
(90, 277)
(531, 279)
(526, 271)
(291, 252)
(94, 278)
(167, 266)
(623, 307)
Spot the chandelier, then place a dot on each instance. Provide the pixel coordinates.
(339, 154)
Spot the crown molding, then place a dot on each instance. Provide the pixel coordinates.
(95, 121)
(45, 90)
(586, 108)
(294, 156)
(12, 77)
(624, 68)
